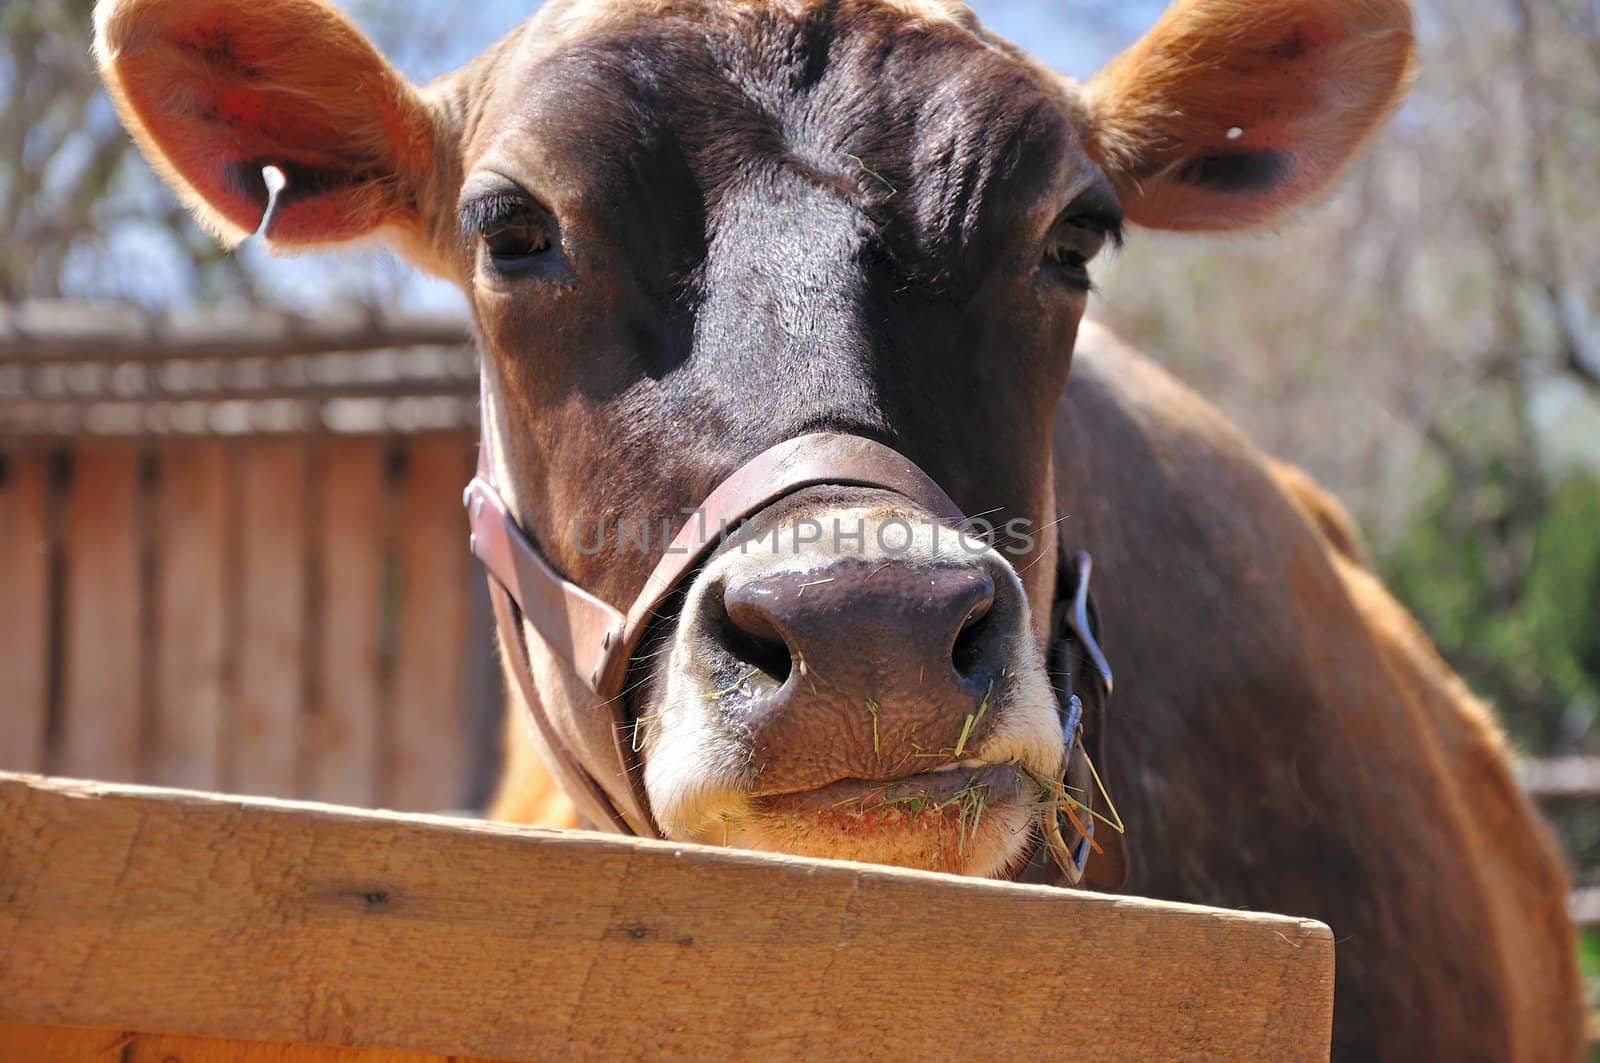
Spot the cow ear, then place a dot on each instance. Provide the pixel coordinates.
(214, 91)
(1230, 112)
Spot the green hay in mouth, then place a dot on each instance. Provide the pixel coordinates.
(1053, 792)
(973, 720)
(972, 799)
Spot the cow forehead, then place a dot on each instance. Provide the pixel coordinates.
(877, 98)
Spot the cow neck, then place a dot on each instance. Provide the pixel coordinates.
(594, 643)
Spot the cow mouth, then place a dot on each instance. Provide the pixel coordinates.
(966, 818)
(933, 791)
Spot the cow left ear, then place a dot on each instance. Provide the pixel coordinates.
(1230, 112)
(215, 91)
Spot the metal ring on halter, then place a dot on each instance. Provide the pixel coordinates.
(1071, 863)
(1083, 622)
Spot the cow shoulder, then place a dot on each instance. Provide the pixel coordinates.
(1325, 512)
(1245, 633)
(527, 792)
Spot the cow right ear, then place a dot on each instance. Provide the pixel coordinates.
(214, 91)
(1230, 112)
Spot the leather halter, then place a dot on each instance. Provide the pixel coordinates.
(597, 642)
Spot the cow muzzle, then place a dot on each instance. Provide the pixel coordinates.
(877, 694)
(856, 680)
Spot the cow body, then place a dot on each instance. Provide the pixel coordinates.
(691, 231)
(1284, 738)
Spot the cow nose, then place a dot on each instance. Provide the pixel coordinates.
(875, 667)
(863, 618)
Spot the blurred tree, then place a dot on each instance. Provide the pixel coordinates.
(82, 215)
(77, 207)
(1427, 343)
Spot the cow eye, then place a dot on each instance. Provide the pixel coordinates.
(515, 231)
(519, 237)
(1072, 245)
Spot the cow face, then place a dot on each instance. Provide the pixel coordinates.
(692, 230)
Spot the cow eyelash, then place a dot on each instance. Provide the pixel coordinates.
(1076, 239)
(514, 229)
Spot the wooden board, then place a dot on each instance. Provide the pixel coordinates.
(344, 721)
(179, 913)
(74, 1044)
(192, 644)
(25, 603)
(104, 666)
(425, 769)
(264, 739)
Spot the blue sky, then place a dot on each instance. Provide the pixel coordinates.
(1074, 36)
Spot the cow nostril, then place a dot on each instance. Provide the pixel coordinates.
(971, 650)
(750, 637)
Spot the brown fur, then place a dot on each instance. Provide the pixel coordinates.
(527, 792)
(1375, 763)
(1404, 749)
(1463, 850)
(1326, 512)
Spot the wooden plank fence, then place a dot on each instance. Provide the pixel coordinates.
(280, 616)
(1567, 779)
(232, 554)
(148, 924)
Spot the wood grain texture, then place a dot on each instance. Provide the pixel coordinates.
(104, 669)
(425, 769)
(61, 330)
(186, 913)
(265, 734)
(25, 606)
(345, 718)
(22, 1043)
(192, 574)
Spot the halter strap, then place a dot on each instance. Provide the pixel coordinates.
(588, 752)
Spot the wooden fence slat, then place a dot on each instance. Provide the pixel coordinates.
(78, 1044)
(269, 693)
(191, 645)
(62, 330)
(162, 911)
(25, 606)
(344, 722)
(104, 678)
(425, 769)
(1560, 778)
(1584, 906)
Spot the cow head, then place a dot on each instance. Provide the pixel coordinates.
(692, 229)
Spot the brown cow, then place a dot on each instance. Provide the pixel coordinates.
(691, 230)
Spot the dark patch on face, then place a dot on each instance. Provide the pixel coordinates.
(1237, 173)
(1290, 48)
